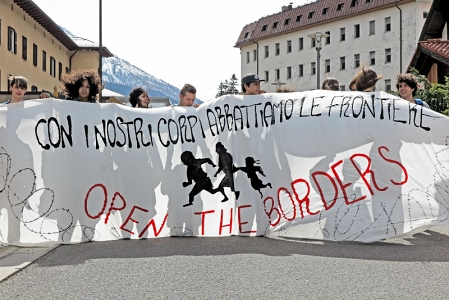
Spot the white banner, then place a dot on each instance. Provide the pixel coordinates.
(315, 165)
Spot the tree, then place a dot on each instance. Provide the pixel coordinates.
(436, 95)
(228, 87)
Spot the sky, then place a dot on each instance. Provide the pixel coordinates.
(177, 41)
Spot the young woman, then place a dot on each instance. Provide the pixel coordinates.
(82, 85)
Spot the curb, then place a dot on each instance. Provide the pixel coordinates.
(13, 258)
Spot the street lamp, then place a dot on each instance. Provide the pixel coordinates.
(100, 62)
(318, 36)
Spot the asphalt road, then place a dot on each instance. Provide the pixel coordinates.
(239, 268)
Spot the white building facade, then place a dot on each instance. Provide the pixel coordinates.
(369, 32)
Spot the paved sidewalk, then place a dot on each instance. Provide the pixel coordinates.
(14, 259)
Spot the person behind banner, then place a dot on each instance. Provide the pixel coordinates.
(18, 86)
(365, 80)
(251, 84)
(82, 85)
(330, 84)
(139, 98)
(284, 89)
(187, 96)
(407, 86)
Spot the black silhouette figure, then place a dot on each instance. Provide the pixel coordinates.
(251, 171)
(225, 164)
(195, 173)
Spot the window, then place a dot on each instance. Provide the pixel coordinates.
(44, 61)
(301, 43)
(264, 27)
(342, 87)
(277, 74)
(254, 55)
(342, 34)
(275, 24)
(340, 6)
(328, 38)
(298, 18)
(342, 63)
(388, 24)
(301, 70)
(67, 70)
(12, 40)
(387, 85)
(246, 35)
(327, 65)
(372, 27)
(267, 76)
(356, 31)
(388, 55)
(0, 35)
(372, 58)
(289, 46)
(313, 68)
(247, 57)
(311, 14)
(369, 1)
(277, 48)
(354, 3)
(60, 71)
(325, 10)
(289, 72)
(287, 21)
(425, 14)
(34, 88)
(52, 66)
(24, 48)
(356, 60)
(267, 51)
(312, 44)
(35, 55)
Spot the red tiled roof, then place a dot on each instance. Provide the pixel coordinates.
(311, 14)
(438, 47)
(46, 22)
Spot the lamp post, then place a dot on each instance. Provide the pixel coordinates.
(318, 36)
(100, 65)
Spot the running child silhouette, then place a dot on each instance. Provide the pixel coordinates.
(225, 164)
(251, 171)
(195, 173)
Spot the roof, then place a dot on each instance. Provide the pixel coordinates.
(428, 52)
(322, 11)
(86, 44)
(436, 20)
(46, 22)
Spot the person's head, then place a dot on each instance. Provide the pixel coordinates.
(365, 79)
(187, 158)
(138, 97)
(284, 89)
(82, 84)
(251, 84)
(18, 86)
(352, 86)
(44, 95)
(262, 92)
(330, 84)
(187, 95)
(407, 86)
(219, 148)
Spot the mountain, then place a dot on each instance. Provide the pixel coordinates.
(121, 76)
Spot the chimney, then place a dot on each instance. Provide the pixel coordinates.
(287, 7)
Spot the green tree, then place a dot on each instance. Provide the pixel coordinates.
(436, 95)
(228, 87)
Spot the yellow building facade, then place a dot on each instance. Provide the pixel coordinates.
(34, 46)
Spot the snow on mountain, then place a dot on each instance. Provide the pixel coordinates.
(121, 77)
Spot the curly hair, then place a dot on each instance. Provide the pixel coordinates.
(408, 79)
(71, 83)
(134, 95)
(330, 83)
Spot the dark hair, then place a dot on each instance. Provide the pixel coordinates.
(331, 83)
(19, 81)
(134, 95)
(408, 79)
(71, 83)
(187, 88)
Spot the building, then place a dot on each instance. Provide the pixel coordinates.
(382, 34)
(431, 57)
(34, 46)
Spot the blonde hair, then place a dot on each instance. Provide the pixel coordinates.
(365, 78)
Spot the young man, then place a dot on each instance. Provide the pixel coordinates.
(187, 96)
(18, 87)
(251, 84)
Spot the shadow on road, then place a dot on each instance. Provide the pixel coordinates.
(429, 246)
